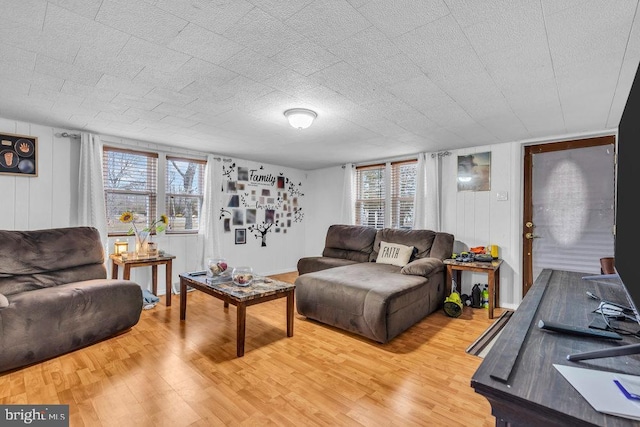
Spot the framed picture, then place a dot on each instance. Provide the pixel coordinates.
(241, 236)
(474, 172)
(18, 155)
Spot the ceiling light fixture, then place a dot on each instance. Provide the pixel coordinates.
(300, 118)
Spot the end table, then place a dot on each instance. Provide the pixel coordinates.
(153, 262)
(491, 268)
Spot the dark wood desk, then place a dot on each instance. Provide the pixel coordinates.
(493, 278)
(153, 262)
(517, 376)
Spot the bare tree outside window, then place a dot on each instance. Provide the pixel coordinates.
(184, 193)
(129, 179)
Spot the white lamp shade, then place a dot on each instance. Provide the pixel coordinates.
(300, 118)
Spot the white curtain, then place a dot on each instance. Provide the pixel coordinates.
(91, 204)
(347, 211)
(427, 198)
(210, 228)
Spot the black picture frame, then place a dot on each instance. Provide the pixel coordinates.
(241, 236)
(18, 155)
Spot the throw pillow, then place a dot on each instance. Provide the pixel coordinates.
(423, 267)
(394, 254)
(4, 302)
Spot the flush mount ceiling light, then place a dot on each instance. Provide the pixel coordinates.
(300, 118)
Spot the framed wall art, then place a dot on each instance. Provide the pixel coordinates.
(474, 172)
(241, 236)
(18, 155)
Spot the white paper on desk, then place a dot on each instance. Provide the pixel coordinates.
(598, 388)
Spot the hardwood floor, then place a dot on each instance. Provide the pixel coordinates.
(167, 372)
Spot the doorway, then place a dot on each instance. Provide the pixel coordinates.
(569, 202)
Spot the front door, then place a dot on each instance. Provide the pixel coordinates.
(569, 200)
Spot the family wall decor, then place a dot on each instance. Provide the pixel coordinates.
(18, 155)
(259, 202)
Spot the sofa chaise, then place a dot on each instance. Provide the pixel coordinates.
(55, 296)
(358, 285)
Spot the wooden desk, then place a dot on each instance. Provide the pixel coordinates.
(493, 277)
(517, 376)
(154, 262)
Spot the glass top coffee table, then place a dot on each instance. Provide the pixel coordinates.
(262, 289)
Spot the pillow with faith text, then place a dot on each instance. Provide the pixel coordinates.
(394, 254)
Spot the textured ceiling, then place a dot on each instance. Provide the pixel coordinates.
(387, 78)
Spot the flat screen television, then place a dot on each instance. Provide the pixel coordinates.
(627, 243)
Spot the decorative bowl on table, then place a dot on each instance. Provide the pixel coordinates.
(216, 267)
(242, 276)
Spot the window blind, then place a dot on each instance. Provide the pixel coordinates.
(129, 179)
(184, 193)
(403, 190)
(370, 196)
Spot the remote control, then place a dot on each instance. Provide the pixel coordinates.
(577, 330)
(198, 273)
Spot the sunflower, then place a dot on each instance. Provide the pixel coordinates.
(126, 217)
(156, 226)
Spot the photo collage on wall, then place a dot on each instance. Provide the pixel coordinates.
(258, 202)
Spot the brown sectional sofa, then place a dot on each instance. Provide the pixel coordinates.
(347, 289)
(55, 296)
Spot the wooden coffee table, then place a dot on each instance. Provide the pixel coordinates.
(262, 289)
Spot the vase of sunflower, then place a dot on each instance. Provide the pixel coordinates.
(144, 246)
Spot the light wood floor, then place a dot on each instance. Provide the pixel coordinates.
(167, 372)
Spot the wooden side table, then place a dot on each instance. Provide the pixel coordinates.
(491, 268)
(154, 262)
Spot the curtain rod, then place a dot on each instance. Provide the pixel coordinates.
(68, 135)
(441, 154)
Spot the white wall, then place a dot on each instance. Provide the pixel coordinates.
(50, 200)
(477, 218)
(324, 207)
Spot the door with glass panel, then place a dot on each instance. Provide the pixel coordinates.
(569, 191)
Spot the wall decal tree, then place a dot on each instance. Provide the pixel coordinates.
(261, 230)
(226, 171)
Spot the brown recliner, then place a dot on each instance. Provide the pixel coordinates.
(55, 296)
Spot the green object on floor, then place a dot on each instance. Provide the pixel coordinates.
(453, 305)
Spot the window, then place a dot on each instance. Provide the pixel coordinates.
(129, 179)
(384, 194)
(184, 193)
(370, 195)
(403, 190)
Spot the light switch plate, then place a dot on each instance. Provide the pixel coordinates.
(502, 196)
